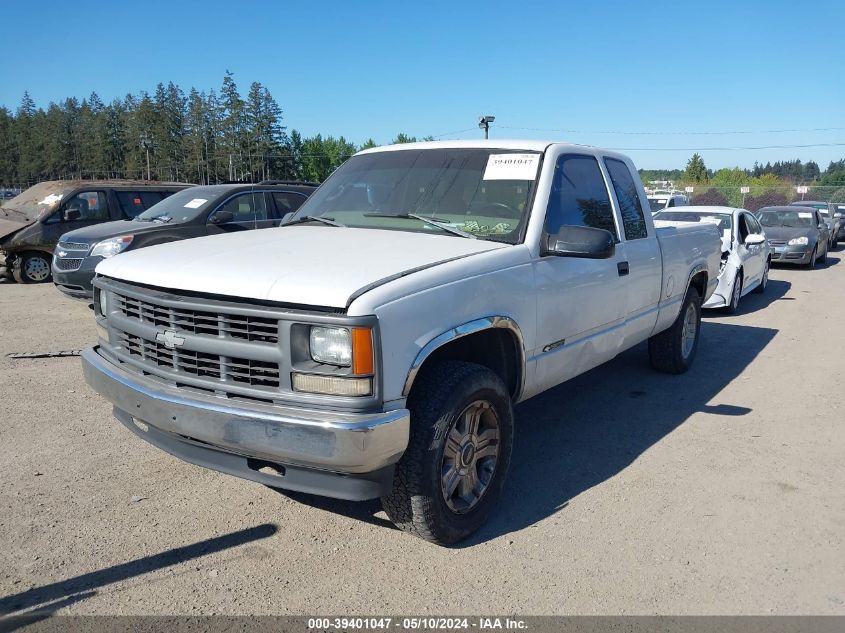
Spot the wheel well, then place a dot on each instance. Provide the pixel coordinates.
(495, 348)
(699, 282)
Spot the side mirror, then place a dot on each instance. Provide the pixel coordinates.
(579, 241)
(222, 217)
(72, 214)
(287, 217)
(754, 239)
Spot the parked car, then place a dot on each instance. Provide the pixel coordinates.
(745, 252)
(373, 346)
(832, 216)
(660, 201)
(797, 235)
(31, 223)
(194, 212)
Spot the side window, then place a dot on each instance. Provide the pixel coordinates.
(753, 224)
(149, 198)
(91, 205)
(743, 227)
(246, 207)
(633, 220)
(579, 196)
(288, 201)
(670, 204)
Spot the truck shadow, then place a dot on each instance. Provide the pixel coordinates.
(49, 598)
(582, 433)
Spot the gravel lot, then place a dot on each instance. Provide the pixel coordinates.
(718, 492)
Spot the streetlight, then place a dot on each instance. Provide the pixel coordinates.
(146, 143)
(484, 123)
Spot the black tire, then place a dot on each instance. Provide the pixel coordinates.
(666, 351)
(736, 294)
(761, 287)
(417, 504)
(25, 270)
(812, 263)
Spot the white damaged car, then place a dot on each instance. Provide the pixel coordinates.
(746, 254)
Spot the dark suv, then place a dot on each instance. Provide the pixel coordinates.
(195, 212)
(31, 223)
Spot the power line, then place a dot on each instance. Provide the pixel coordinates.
(673, 133)
(708, 149)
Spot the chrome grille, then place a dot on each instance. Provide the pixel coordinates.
(68, 264)
(248, 328)
(239, 370)
(73, 246)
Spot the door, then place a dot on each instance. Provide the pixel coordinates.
(81, 209)
(242, 212)
(756, 252)
(645, 266)
(580, 302)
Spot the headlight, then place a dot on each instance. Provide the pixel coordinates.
(798, 241)
(331, 345)
(113, 246)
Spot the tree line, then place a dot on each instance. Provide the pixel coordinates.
(200, 137)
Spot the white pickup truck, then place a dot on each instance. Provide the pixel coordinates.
(375, 344)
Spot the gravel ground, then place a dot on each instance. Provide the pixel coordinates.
(718, 492)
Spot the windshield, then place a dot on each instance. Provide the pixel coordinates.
(36, 202)
(481, 192)
(657, 204)
(793, 219)
(182, 206)
(723, 220)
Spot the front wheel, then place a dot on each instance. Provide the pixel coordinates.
(736, 294)
(673, 350)
(812, 263)
(452, 473)
(32, 268)
(764, 281)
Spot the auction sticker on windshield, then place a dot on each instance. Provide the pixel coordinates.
(511, 167)
(804, 214)
(196, 203)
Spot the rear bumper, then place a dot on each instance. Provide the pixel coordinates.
(342, 455)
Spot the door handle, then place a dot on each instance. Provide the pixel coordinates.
(622, 268)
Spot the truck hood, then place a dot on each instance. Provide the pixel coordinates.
(10, 225)
(306, 265)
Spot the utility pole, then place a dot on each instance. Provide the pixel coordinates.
(484, 123)
(146, 143)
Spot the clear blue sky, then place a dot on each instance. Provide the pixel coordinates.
(562, 70)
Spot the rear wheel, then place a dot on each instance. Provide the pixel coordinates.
(451, 475)
(32, 268)
(673, 350)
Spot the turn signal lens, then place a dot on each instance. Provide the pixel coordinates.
(362, 351)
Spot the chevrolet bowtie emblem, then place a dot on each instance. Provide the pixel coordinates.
(169, 338)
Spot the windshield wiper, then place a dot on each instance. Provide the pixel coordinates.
(164, 219)
(440, 224)
(314, 218)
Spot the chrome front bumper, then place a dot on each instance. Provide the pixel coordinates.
(333, 449)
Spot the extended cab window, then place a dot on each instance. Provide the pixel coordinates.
(628, 196)
(579, 196)
(288, 201)
(133, 203)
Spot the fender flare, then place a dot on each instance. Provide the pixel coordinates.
(466, 329)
